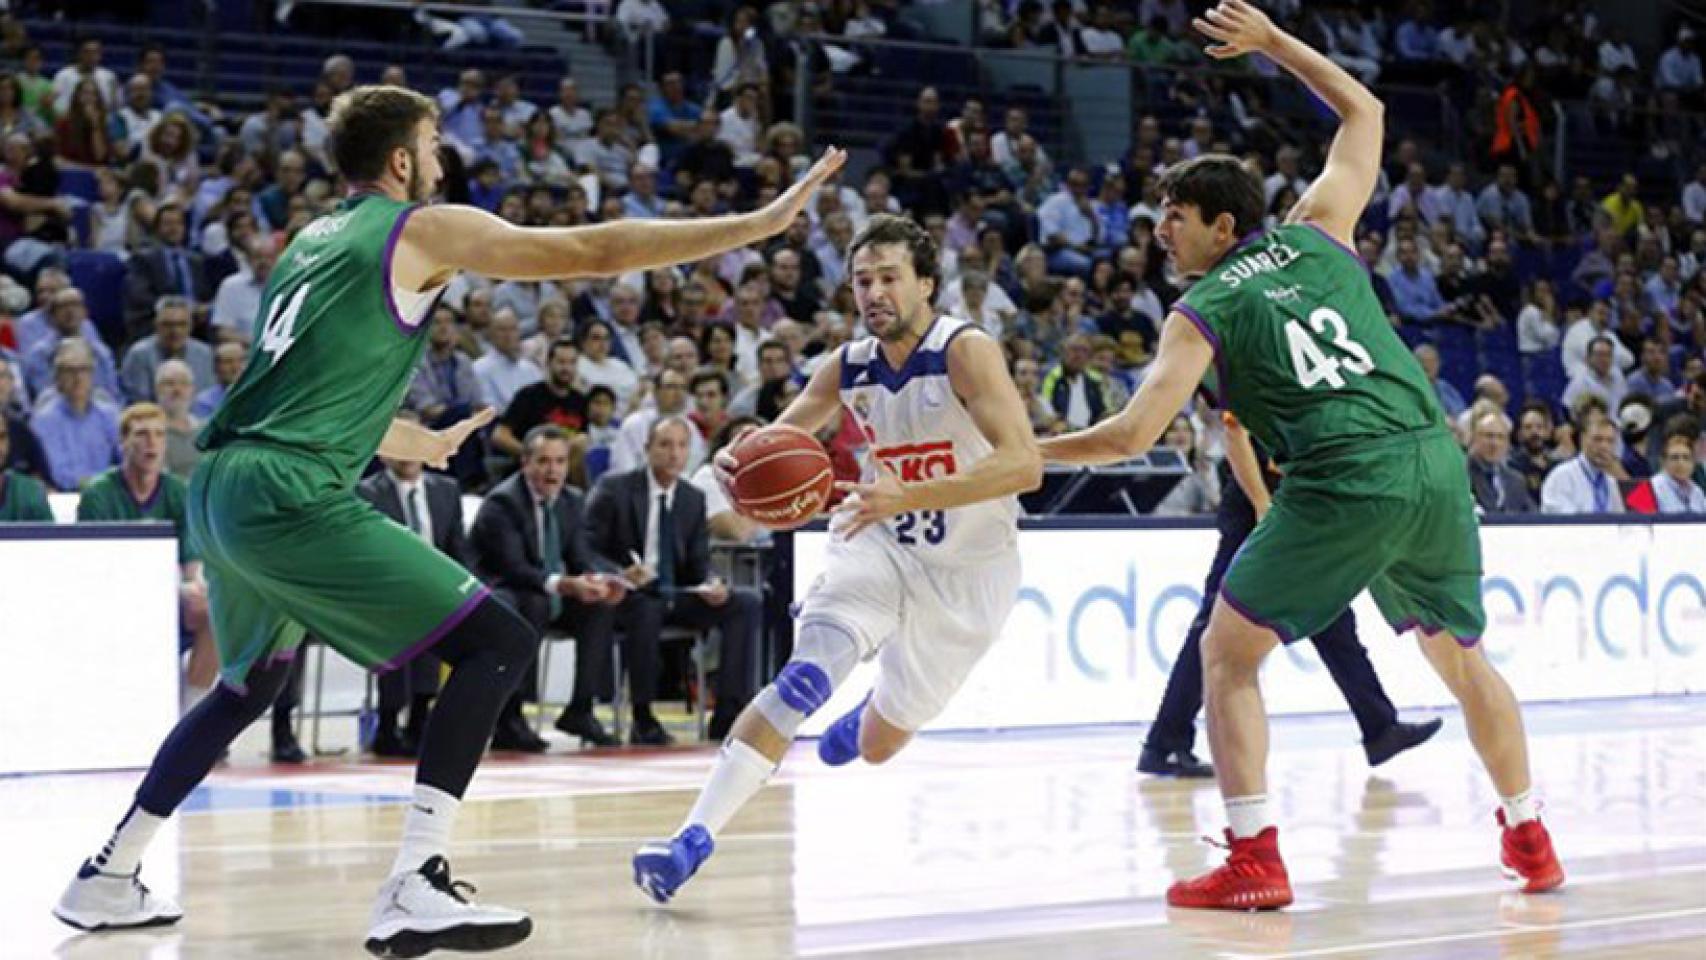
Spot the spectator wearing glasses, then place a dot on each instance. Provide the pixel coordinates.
(1675, 488)
(78, 432)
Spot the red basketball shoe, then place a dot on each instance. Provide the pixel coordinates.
(1253, 878)
(1527, 854)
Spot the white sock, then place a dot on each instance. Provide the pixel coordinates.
(426, 828)
(1248, 816)
(740, 771)
(123, 851)
(189, 696)
(1520, 808)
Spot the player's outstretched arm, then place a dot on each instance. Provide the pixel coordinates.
(977, 373)
(1336, 199)
(405, 440)
(439, 240)
(1180, 362)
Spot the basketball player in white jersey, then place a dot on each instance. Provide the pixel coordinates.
(923, 565)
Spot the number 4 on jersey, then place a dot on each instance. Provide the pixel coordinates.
(278, 335)
(1311, 364)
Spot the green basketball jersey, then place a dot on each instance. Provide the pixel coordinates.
(22, 499)
(106, 498)
(331, 357)
(1303, 353)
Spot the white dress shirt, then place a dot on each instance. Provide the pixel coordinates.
(1673, 497)
(1570, 487)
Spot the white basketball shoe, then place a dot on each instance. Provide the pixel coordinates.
(107, 901)
(425, 910)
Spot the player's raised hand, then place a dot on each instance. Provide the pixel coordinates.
(782, 211)
(450, 439)
(1240, 28)
(869, 503)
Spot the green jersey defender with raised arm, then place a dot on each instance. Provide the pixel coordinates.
(289, 548)
(1283, 329)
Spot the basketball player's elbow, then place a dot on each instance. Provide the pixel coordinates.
(1025, 468)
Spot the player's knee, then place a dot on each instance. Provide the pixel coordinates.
(495, 629)
(879, 741)
(804, 686)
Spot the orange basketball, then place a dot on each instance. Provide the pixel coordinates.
(783, 477)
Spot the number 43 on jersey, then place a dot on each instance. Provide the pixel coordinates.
(1313, 365)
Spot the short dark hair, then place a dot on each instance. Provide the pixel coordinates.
(563, 341)
(708, 376)
(1683, 426)
(1217, 183)
(541, 434)
(773, 345)
(600, 391)
(1535, 405)
(886, 228)
(367, 123)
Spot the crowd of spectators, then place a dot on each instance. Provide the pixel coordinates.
(1055, 259)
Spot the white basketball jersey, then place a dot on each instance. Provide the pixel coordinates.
(913, 422)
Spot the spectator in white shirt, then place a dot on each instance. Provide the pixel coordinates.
(1600, 378)
(738, 126)
(639, 17)
(1674, 489)
(571, 121)
(598, 368)
(1583, 332)
(1616, 54)
(1679, 67)
(1694, 197)
(669, 390)
(1583, 485)
(1003, 144)
(1537, 323)
(1285, 172)
(238, 300)
(503, 370)
(86, 66)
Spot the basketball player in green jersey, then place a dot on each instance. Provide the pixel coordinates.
(289, 548)
(1283, 329)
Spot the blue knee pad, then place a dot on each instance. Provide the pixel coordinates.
(824, 654)
(804, 686)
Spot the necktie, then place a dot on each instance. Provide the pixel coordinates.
(1498, 489)
(666, 546)
(1601, 489)
(412, 511)
(553, 550)
(181, 265)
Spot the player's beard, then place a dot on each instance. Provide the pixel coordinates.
(900, 326)
(419, 190)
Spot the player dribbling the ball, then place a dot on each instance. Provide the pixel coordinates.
(923, 565)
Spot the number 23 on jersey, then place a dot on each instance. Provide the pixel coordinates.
(1311, 364)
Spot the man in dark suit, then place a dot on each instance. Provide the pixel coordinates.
(530, 546)
(653, 523)
(430, 505)
(1498, 488)
(167, 268)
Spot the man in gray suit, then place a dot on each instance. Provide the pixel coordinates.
(1498, 488)
(529, 544)
(429, 504)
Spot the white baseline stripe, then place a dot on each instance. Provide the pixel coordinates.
(1472, 935)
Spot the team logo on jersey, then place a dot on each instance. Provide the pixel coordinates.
(862, 406)
(306, 260)
(1283, 294)
(326, 226)
(918, 462)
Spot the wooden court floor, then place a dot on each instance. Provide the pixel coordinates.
(1021, 845)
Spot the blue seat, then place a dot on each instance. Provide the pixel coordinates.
(597, 463)
(100, 275)
(79, 182)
